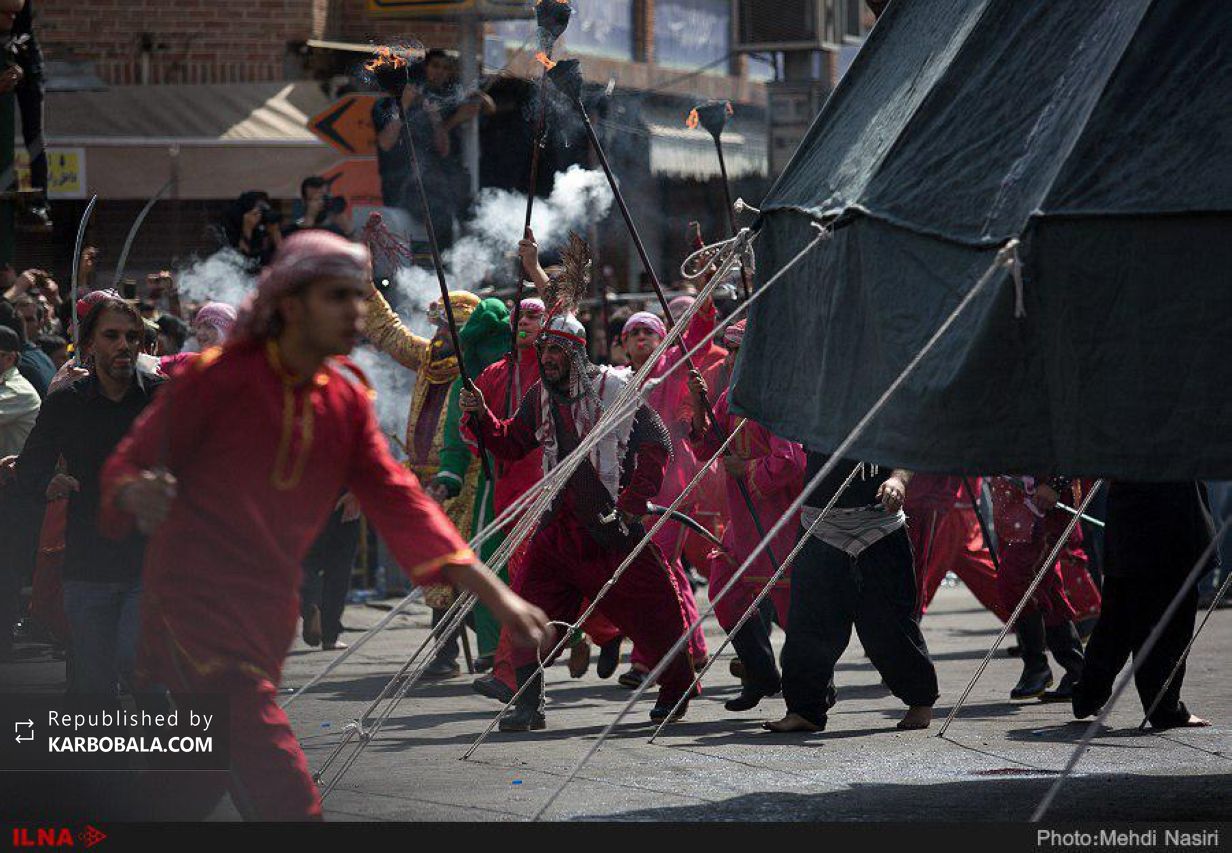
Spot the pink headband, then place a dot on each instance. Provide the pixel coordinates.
(303, 257)
(532, 306)
(644, 320)
(220, 315)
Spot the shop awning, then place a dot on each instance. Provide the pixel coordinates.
(677, 152)
(219, 140)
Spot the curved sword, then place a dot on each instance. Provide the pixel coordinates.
(81, 237)
(687, 521)
(132, 232)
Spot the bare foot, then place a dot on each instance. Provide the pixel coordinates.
(918, 717)
(1192, 722)
(791, 723)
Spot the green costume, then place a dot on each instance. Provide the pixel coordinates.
(485, 341)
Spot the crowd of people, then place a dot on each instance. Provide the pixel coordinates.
(181, 484)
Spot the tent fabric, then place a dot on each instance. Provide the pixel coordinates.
(1100, 135)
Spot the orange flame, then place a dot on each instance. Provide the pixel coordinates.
(386, 58)
(545, 61)
(692, 121)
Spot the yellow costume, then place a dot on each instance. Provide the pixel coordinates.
(436, 367)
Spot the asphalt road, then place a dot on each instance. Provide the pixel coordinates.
(998, 758)
(996, 762)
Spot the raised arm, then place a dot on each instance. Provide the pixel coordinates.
(384, 328)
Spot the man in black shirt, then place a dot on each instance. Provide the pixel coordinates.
(856, 569)
(82, 423)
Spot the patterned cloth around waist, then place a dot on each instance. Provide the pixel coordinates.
(852, 529)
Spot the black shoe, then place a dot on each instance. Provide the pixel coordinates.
(493, 688)
(748, 698)
(631, 678)
(1033, 683)
(659, 712)
(442, 669)
(483, 663)
(609, 658)
(1063, 693)
(523, 719)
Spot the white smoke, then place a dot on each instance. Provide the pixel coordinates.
(221, 277)
(486, 250)
(393, 384)
(488, 246)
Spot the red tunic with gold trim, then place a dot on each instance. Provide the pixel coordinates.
(260, 461)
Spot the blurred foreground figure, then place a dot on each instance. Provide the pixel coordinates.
(232, 473)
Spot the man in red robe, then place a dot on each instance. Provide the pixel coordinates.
(233, 476)
(946, 537)
(595, 520)
(1028, 524)
(772, 471)
(505, 387)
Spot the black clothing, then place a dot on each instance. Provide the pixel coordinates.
(861, 492)
(1159, 528)
(29, 93)
(1155, 534)
(876, 592)
(439, 173)
(327, 573)
(79, 423)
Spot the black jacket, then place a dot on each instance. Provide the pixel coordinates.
(79, 423)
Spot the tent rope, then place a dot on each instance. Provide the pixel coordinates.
(1000, 263)
(1045, 567)
(1127, 676)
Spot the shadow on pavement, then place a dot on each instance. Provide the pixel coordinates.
(1086, 798)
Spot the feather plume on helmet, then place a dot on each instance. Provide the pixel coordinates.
(567, 284)
(571, 280)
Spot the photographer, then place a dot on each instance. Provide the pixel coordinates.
(320, 209)
(251, 227)
(23, 75)
(430, 101)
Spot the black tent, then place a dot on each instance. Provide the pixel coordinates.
(1099, 132)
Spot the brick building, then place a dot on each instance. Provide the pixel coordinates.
(211, 97)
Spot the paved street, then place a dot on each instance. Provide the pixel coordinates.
(996, 763)
(998, 759)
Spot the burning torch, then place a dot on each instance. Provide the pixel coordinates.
(713, 116)
(552, 19)
(391, 68)
(567, 77)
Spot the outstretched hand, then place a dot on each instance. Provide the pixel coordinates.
(149, 499)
